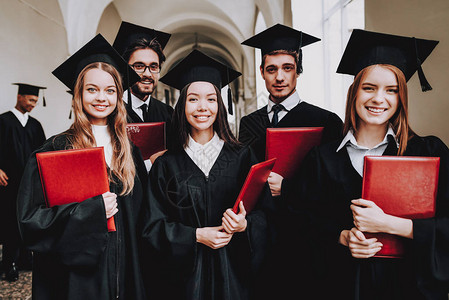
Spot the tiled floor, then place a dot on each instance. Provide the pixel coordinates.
(19, 290)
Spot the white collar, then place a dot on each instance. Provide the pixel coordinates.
(135, 102)
(194, 146)
(288, 103)
(350, 138)
(22, 117)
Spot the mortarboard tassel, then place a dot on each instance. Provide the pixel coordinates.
(425, 85)
(230, 101)
(299, 62)
(70, 114)
(43, 99)
(229, 94)
(129, 88)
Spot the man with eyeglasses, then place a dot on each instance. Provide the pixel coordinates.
(286, 271)
(142, 48)
(20, 135)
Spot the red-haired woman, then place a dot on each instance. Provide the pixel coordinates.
(329, 200)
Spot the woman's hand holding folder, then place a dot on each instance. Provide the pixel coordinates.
(233, 222)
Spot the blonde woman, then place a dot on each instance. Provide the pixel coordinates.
(75, 257)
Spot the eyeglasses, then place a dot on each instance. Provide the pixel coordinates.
(140, 68)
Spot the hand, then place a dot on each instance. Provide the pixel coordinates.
(110, 204)
(213, 237)
(232, 222)
(359, 246)
(369, 217)
(3, 178)
(275, 183)
(156, 155)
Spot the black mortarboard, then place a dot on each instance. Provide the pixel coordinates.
(29, 89)
(366, 48)
(197, 66)
(128, 33)
(280, 37)
(96, 50)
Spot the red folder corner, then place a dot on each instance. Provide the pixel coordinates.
(148, 137)
(290, 146)
(73, 176)
(403, 186)
(253, 185)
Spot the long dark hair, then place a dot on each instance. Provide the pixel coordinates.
(183, 128)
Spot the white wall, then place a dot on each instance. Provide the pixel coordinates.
(32, 44)
(429, 20)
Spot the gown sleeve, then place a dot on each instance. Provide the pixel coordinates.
(333, 129)
(308, 204)
(431, 236)
(258, 236)
(75, 233)
(175, 240)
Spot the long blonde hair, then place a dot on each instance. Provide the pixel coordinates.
(399, 121)
(122, 165)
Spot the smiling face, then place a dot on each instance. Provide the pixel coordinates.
(279, 73)
(201, 109)
(377, 97)
(99, 95)
(148, 80)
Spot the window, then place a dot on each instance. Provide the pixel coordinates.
(332, 21)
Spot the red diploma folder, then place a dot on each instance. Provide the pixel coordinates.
(253, 185)
(148, 137)
(73, 176)
(402, 186)
(290, 146)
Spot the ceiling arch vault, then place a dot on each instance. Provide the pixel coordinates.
(215, 27)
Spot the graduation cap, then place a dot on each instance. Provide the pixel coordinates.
(366, 48)
(96, 50)
(280, 37)
(128, 33)
(197, 66)
(29, 89)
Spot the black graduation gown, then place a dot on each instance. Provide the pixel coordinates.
(253, 126)
(74, 255)
(327, 184)
(275, 279)
(183, 199)
(16, 145)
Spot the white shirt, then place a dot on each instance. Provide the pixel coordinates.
(23, 118)
(288, 104)
(136, 103)
(103, 139)
(357, 153)
(204, 156)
